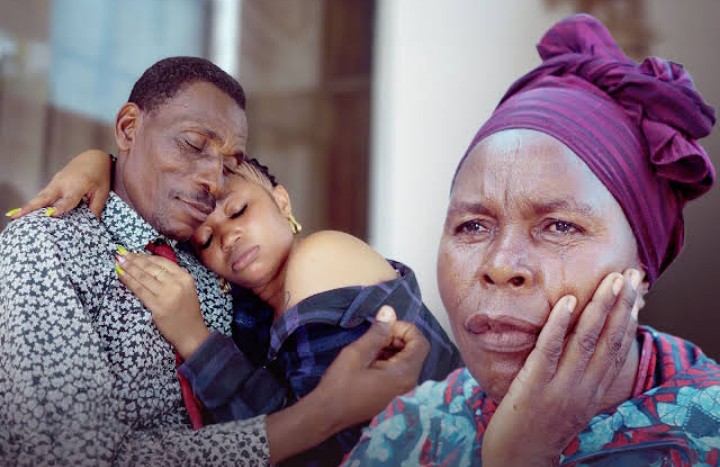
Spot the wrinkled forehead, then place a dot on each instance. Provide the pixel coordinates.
(203, 105)
(529, 166)
(511, 153)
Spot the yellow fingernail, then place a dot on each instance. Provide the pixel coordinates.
(121, 249)
(12, 212)
(119, 270)
(50, 211)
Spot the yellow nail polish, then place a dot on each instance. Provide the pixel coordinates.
(119, 270)
(12, 212)
(50, 211)
(121, 249)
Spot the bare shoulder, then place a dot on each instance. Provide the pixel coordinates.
(328, 260)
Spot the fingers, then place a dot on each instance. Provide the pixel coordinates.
(45, 199)
(57, 202)
(367, 348)
(147, 263)
(411, 348)
(543, 361)
(619, 332)
(96, 201)
(404, 364)
(594, 352)
(144, 275)
(412, 343)
(583, 339)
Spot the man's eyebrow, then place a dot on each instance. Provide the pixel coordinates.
(208, 132)
(240, 155)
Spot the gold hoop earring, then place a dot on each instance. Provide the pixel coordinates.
(295, 226)
(225, 286)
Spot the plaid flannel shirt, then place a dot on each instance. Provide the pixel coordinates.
(301, 345)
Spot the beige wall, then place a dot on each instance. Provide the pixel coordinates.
(441, 68)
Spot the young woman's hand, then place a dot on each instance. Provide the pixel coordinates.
(87, 176)
(565, 379)
(168, 291)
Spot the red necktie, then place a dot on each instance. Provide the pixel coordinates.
(192, 404)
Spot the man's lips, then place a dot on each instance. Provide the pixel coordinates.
(197, 210)
(503, 334)
(242, 258)
(205, 208)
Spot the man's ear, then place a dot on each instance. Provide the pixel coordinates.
(282, 198)
(126, 124)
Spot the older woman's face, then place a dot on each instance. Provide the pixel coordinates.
(528, 222)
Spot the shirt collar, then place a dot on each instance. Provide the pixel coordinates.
(127, 227)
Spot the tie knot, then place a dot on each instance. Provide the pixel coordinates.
(162, 249)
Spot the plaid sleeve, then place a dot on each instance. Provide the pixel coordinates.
(228, 384)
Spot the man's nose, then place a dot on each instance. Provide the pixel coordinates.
(507, 262)
(211, 175)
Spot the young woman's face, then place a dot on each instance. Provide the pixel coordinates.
(247, 238)
(528, 222)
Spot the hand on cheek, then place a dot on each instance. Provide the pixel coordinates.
(570, 376)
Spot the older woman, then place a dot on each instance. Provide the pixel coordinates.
(582, 170)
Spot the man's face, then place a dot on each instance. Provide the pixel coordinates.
(528, 222)
(172, 166)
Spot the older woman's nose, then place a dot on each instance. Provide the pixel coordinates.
(506, 263)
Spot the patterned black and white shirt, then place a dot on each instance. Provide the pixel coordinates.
(85, 377)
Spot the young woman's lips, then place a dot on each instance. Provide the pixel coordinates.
(502, 335)
(244, 258)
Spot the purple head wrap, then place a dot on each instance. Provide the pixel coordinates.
(634, 125)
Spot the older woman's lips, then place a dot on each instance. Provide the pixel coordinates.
(244, 258)
(502, 335)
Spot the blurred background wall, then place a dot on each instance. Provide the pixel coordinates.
(362, 108)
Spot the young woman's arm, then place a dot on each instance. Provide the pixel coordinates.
(87, 176)
(381, 364)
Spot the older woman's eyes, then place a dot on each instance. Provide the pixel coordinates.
(473, 227)
(560, 227)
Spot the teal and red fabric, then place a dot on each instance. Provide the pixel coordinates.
(673, 417)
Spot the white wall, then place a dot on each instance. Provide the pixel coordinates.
(440, 68)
